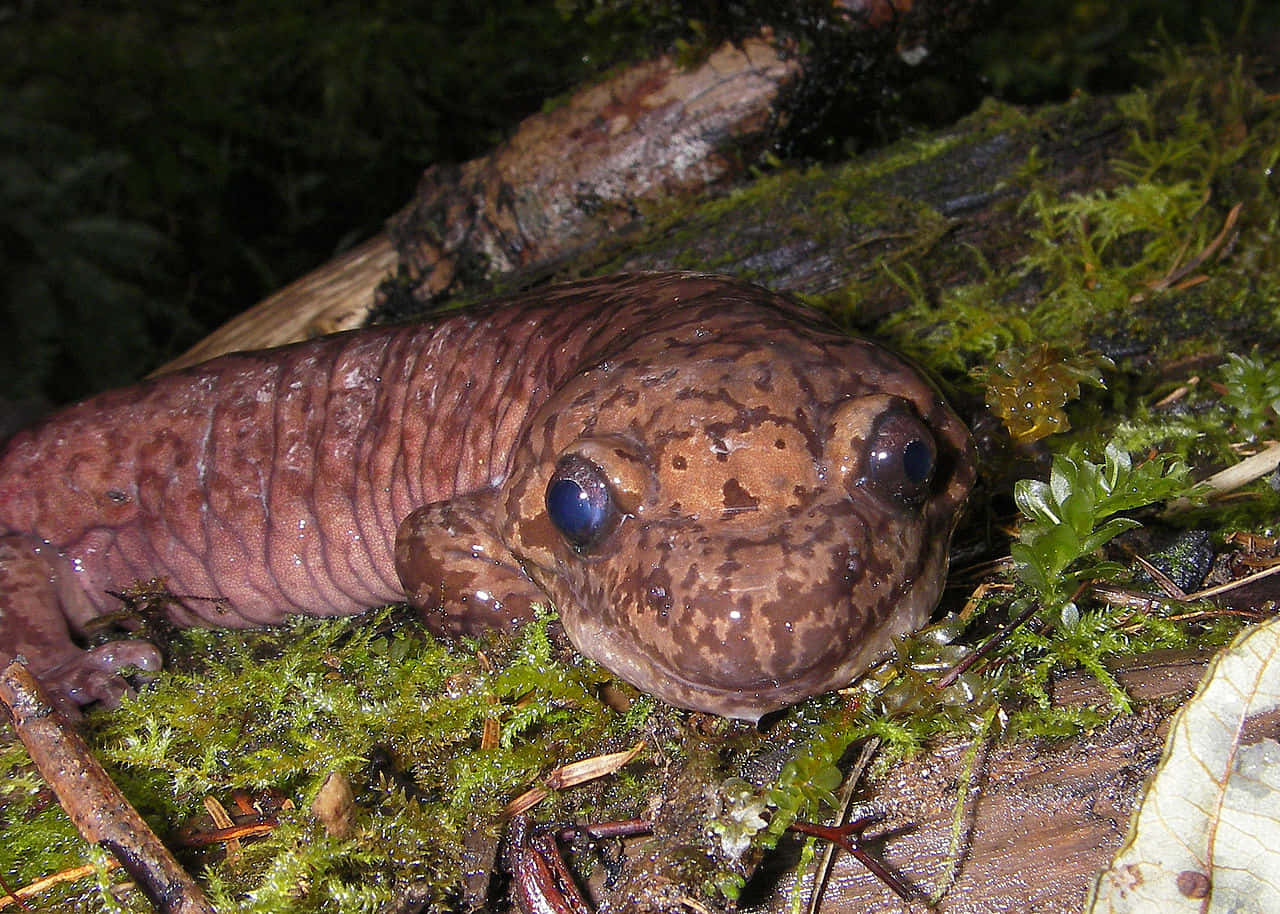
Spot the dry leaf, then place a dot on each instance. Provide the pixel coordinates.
(335, 806)
(571, 775)
(1207, 835)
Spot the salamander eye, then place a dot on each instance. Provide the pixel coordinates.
(902, 457)
(580, 502)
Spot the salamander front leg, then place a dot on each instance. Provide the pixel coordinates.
(41, 605)
(458, 572)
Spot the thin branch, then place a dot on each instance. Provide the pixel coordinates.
(31, 890)
(846, 799)
(92, 801)
(1232, 585)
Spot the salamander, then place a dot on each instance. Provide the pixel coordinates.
(731, 504)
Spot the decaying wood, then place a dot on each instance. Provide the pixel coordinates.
(91, 799)
(580, 171)
(336, 296)
(1042, 818)
(563, 179)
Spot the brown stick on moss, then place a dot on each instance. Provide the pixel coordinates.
(95, 804)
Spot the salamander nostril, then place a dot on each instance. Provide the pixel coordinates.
(854, 569)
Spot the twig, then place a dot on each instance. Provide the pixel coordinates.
(1246, 471)
(849, 838)
(1212, 249)
(226, 835)
(92, 801)
(11, 897)
(1172, 590)
(222, 821)
(31, 890)
(986, 648)
(1176, 394)
(846, 799)
(1232, 585)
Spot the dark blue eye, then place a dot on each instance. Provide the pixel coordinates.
(580, 503)
(902, 457)
(917, 461)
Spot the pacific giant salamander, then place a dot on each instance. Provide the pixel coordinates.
(731, 504)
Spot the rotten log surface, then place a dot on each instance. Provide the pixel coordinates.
(581, 171)
(566, 177)
(100, 812)
(1042, 818)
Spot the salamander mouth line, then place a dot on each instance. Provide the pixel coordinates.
(765, 685)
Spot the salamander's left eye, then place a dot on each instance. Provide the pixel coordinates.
(902, 456)
(580, 502)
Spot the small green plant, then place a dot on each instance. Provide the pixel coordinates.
(1070, 517)
(279, 711)
(1252, 391)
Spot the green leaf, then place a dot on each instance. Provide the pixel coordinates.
(1072, 516)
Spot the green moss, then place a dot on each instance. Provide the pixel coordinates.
(1252, 392)
(280, 711)
(1139, 256)
(1159, 262)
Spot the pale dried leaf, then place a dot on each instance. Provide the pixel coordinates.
(589, 769)
(1207, 835)
(335, 806)
(571, 775)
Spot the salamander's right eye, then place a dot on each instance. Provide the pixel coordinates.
(580, 502)
(902, 457)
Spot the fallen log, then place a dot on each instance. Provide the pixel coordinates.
(564, 178)
(1041, 820)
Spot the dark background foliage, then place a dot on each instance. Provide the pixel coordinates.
(165, 165)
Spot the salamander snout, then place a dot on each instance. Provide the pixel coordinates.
(741, 620)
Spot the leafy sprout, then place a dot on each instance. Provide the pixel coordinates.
(1075, 513)
(1252, 391)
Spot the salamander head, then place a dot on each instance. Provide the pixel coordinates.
(735, 510)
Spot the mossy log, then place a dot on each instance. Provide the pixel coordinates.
(945, 245)
(1040, 820)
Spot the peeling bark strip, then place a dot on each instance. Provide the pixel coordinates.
(336, 296)
(91, 799)
(564, 178)
(571, 174)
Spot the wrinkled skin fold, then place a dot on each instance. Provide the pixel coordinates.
(731, 504)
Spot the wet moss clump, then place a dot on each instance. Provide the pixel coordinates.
(266, 717)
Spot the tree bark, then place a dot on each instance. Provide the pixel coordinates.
(1041, 819)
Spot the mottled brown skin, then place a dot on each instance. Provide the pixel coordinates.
(754, 559)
